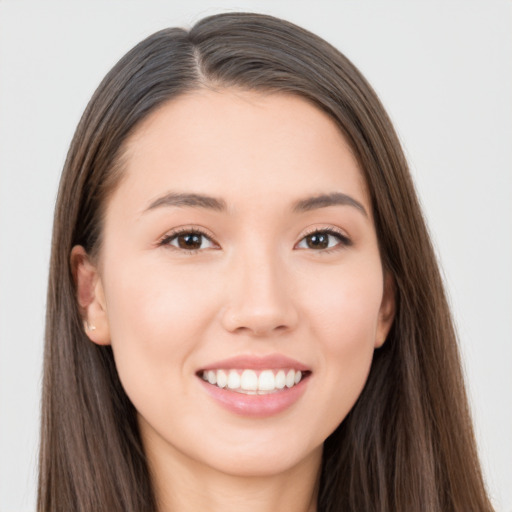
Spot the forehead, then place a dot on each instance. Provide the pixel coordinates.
(239, 144)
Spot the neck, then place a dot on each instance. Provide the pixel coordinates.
(184, 485)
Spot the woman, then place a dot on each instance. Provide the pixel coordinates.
(244, 307)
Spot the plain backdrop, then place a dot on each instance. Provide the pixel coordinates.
(443, 70)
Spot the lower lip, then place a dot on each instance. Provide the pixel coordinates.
(256, 406)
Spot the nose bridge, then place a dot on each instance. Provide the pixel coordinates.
(259, 298)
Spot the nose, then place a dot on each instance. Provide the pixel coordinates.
(259, 297)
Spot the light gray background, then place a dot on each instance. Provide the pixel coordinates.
(443, 70)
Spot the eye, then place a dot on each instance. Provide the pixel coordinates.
(323, 239)
(189, 240)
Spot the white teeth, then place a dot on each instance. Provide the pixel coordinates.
(290, 378)
(280, 379)
(248, 381)
(233, 380)
(222, 379)
(266, 381)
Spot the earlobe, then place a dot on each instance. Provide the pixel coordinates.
(387, 310)
(90, 297)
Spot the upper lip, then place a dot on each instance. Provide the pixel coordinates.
(254, 362)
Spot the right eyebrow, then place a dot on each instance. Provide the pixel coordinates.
(326, 200)
(188, 200)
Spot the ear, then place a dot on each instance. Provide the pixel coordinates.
(387, 310)
(90, 296)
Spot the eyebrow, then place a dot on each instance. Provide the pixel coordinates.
(325, 200)
(213, 203)
(188, 200)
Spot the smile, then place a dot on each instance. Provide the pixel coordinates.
(256, 386)
(254, 382)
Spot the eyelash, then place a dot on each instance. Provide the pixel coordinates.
(343, 240)
(168, 238)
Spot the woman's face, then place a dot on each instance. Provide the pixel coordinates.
(239, 248)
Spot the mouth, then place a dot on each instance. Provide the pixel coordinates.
(254, 382)
(256, 386)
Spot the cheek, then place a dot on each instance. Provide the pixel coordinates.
(154, 302)
(344, 314)
(345, 307)
(157, 317)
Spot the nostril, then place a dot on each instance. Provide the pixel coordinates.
(260, 314)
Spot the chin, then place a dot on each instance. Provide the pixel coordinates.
(264, 461)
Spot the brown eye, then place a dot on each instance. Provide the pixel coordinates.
(320, 240)
(317, 241)
(189, 241)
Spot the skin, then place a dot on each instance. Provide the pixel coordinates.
(254, 287)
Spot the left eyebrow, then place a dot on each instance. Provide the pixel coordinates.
(325, 200)
(188, 200)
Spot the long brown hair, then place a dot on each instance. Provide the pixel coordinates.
(407, 445)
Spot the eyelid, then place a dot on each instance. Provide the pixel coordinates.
(345, 241)
(175, 232)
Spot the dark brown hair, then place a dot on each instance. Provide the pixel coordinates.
(407, 445)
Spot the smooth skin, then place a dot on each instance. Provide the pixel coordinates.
(262, 267)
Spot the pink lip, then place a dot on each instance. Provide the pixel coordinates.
(256, 406)
(252, 362)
